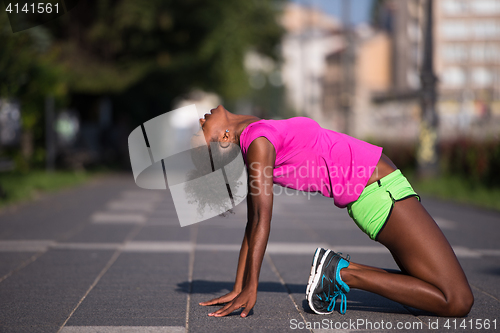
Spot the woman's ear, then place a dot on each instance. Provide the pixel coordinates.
(226, 141)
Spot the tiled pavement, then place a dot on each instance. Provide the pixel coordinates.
(110, 257)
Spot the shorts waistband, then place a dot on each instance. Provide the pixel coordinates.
(385, 180)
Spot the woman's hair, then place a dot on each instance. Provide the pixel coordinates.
(208, 191)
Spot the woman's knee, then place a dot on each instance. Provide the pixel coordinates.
(459, 305)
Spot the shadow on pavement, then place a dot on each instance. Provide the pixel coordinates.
(213, 287)
(492, 271)
(367, 302)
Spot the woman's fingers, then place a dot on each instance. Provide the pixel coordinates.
(230, 307)
(215, 301)
(244, 300)
(245, 311)
(211, 302)
(248, 306)
(223, 311)
(220, 300)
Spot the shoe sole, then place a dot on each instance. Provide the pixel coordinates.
(315, 283)
(313, 270)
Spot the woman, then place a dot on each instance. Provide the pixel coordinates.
(297, 153)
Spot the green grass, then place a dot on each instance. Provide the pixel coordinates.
(458, 189)
(24, 186)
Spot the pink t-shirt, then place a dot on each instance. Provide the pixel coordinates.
(313, 159)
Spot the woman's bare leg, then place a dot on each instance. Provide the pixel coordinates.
(433, 281)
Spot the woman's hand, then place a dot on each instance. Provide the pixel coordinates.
(221, 300)
(246, 299)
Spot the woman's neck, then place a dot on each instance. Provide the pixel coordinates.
(241, 122)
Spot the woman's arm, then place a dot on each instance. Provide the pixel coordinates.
(240, 272)
(240, 280)
(261, 157)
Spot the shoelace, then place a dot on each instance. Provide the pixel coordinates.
(333, 299)
(347, 257)
(338, 292)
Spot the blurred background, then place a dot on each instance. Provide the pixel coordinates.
(419, 77)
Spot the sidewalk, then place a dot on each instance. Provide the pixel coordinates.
(111, 257)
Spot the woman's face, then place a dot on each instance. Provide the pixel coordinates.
(211, 126)
(212, 123)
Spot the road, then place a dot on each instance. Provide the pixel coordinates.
(111, 257)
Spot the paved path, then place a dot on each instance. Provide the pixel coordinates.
(110, 257)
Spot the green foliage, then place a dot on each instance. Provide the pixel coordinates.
(469, 171)
(479, 162)
(110, 46)
(402, 154)
(107, 47)
(29, 71)
(476, 162)
(457, 188)
(19, 186)
(28, 68)
(141, 54)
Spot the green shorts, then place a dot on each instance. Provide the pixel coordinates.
(373, 207)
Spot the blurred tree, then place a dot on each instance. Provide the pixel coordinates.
(141, 54)
(28, 73)
(165, 47)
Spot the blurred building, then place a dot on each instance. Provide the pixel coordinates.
(365, 80)
(311, 35)
(332, 73)
(393, 110)
(347, 100)
(405, 27)
(466, 58)
(468, 63)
